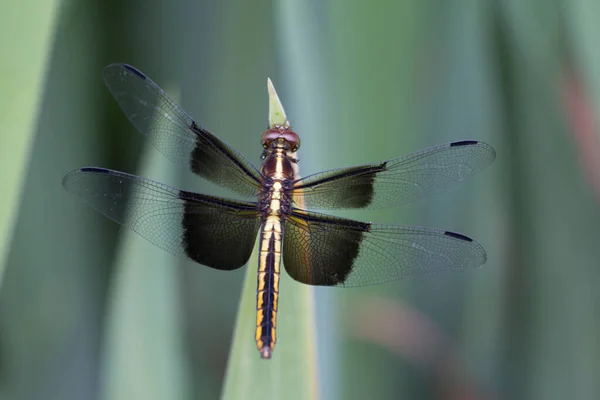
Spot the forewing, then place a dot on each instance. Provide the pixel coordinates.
(327, 251)
(393, 182)
(212, 231)
(175, 134)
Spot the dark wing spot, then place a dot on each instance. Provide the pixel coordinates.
(324, 252)
(216, 238)
(207, 162)
(134, 71)
(458, 236)
(464, 143)
(204, 161)
(95, 169)
(352, 187)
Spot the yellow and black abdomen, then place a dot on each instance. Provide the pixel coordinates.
(268, 285)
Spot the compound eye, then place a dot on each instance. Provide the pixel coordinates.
(269, 136)
(293, 139)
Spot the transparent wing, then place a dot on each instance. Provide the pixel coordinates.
(328, 251)
(212, 231)
(397, 181)
(175, 134)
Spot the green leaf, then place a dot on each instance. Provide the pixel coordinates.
(22, 77)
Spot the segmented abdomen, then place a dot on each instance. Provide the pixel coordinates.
(268, 285)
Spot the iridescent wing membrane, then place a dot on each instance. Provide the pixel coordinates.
(175, 134)
(324, 250)
(318, 249)
(396, 181)
(216, 232)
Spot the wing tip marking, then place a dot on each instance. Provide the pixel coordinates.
(134, 71)
(464, 143)
(458, 236)
(95, 170)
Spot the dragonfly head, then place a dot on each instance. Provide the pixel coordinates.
(281, 136)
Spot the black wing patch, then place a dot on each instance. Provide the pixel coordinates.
(175, 134)
(393, 182)
(212, 231)
(328, 251)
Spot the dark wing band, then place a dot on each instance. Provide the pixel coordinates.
(175, 134)
(212, 231)
(397, 181)
(323, 250)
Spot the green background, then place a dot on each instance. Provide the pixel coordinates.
(89, 311)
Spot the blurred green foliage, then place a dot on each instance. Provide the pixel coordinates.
(20, 99)
(88, 311)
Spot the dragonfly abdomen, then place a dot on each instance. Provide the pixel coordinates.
(268, 285)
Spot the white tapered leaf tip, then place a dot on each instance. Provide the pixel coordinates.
(276, 112)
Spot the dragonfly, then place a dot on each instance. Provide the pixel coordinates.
(315, 248)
